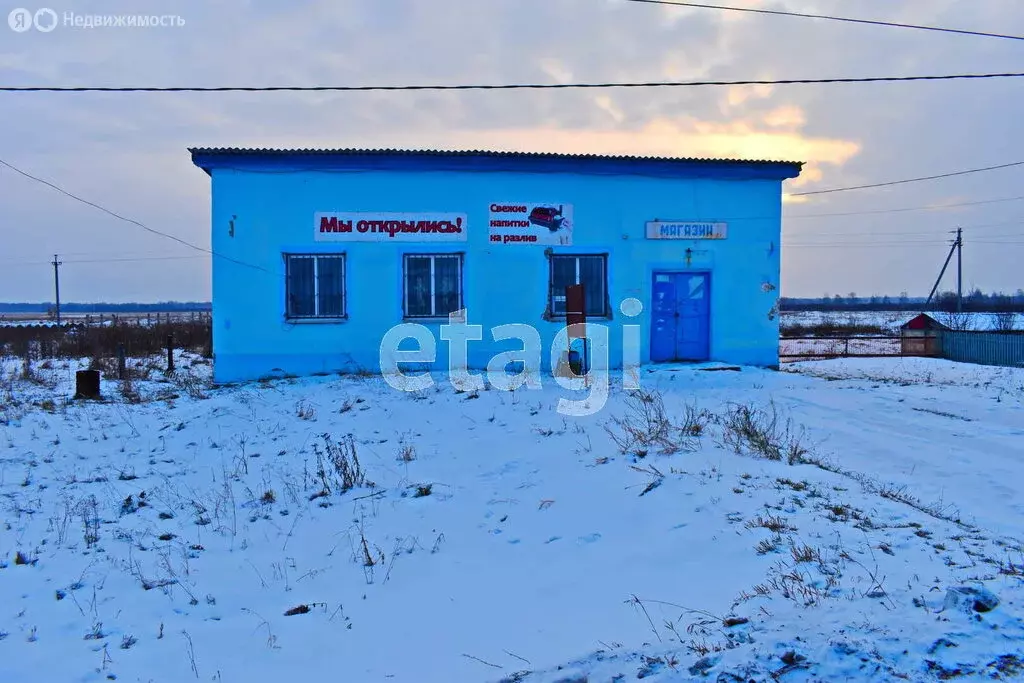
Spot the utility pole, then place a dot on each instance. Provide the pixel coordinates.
(56, 284)
(942, 272)
(959, 270)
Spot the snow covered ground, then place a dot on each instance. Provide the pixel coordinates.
(179, 532)
(891, 320)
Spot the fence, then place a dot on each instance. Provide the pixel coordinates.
(90, 319)
(102, 338)
(983, 348)
(793, 349)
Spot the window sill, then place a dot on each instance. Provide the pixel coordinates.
(562, 318)
(433, 319)
(316, 321)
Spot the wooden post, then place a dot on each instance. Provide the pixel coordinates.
(56, 287)
(170, 353)
(121, 365)
(208, 341)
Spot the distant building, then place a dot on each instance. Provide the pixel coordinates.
(921, 336)
(320, 252)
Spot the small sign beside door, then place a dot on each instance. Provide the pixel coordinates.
(685, 230)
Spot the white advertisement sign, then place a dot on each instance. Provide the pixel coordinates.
(685, 230)
(538, 223)
(389, 227)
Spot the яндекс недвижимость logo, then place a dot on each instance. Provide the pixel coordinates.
(45, 20)
(22, 20)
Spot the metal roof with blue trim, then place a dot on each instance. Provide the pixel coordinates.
(255, 159)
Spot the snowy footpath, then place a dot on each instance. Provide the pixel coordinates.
(849, 520)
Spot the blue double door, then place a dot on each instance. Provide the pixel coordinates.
(680, 317)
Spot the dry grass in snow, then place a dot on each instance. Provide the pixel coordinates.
(734, 526)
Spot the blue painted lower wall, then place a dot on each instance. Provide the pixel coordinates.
(238, 367)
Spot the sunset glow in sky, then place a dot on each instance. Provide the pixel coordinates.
(128, 151)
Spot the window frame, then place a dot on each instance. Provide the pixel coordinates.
(433, 256)
(606, 314)
(316, 258)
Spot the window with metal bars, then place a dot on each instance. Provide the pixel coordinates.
(589, 270)
(433, 285)
(314, 286)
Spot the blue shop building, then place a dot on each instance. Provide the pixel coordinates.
(319, 253)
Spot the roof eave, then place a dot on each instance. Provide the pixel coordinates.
(479, 160)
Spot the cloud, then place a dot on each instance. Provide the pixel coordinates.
(791, 199)
(607, 104)
(128, 151)
(659, 137)
(785, 117)
(737, 95)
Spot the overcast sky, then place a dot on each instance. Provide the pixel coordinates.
(128, 151)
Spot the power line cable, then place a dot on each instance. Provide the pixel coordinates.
(827, 243)
(310, 169)
(301, 169)
(505, 86)
(257, 267)
(108, 260)
(313, 169)
(908, 180)
(919, 233)
(19, 264)
(866, 245)
(886, 233)
(133, 260)
(127, 220)
(987, 238)
(900, 243)
(829, 17)
(107, 254)
(938, 207)
(104, 210)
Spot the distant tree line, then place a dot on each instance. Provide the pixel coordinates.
(101, 307)
(974, 301)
